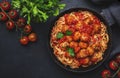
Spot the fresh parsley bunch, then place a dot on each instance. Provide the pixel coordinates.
(37, 10)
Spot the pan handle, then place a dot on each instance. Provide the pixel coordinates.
(108, 17)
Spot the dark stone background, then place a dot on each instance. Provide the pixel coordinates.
(34, 60)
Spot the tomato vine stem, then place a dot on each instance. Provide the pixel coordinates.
(12, 21)
(116, 73)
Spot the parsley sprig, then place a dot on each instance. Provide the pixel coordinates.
(37, 10)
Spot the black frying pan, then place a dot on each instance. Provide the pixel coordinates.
(107, 52)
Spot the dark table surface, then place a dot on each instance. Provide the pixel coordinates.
(34, 60)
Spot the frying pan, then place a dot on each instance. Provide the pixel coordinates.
(106, 54)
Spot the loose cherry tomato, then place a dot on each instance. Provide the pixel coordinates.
(32, 37)
(118, 58)
(113, 65)
(5, 5)
(3, 16)
(21, 22)
(10, 25)
(24, 40)
(106, 73)
(27, 29)
(13, 14)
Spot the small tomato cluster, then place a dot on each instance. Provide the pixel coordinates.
(114, 66)
(12, 19)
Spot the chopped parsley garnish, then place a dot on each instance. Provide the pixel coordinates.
(60, 35)
(68, 32)
(71, 51)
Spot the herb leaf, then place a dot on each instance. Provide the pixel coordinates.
(71, 51)
(59, 35)
(37, 10)
(68, 32)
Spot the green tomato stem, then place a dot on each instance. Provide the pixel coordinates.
(12, 21)
(116, 73)
(28, 19)
(9, 18)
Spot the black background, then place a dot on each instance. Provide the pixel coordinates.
(34, 60)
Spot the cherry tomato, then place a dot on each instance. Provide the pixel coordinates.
(118, 58)
(113, 65)
(21, 22)
(3, 16)
(32, 37)
(24, 40)
(5, 5)
(13, 14)
(27, 29)
(10, 25)
(106, 73)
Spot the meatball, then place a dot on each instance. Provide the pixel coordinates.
(94, 59)
(76, 35)
(96, 28)
(73, 44)
(97, 57)
(96, 47)
(77, 49)
(84, 61)
(85, 37)
(82, 53)
(78, 25)
(64, 44)
(90, 51)
(83, 45)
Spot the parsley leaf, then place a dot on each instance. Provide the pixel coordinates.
(37, 10)
(71, 51)
(59, 35)
(68, 32)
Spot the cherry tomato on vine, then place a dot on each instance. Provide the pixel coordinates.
(13, 14)
(3, 16)
(32, 37)
(10, 25)
(21, 22)
(113, 65)
(27, 29)
(5, 5)
(118, 58)
(106, 73)
(24, 40)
